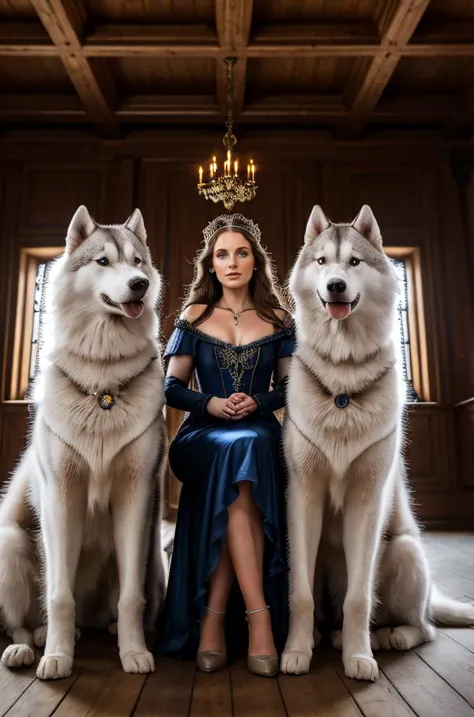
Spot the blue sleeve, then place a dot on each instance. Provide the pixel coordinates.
(181, 343)
(287, 345)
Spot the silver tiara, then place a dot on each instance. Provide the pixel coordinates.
(232, 221)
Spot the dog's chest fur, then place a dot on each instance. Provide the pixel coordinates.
(99, 436)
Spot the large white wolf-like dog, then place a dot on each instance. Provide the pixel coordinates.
(343, 439)
(81, 514)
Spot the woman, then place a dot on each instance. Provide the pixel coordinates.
(235, 336)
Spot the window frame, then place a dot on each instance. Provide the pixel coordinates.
(416, 319)
(30, 258)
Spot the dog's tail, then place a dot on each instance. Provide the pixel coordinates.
(449, 612)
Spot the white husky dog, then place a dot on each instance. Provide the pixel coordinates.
(85, 498)
(343, 441)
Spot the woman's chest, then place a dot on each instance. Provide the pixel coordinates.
(237, 367)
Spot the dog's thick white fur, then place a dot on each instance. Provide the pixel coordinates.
(80, 518)
(347, 493)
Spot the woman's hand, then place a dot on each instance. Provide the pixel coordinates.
(221, 408)
(243, 405)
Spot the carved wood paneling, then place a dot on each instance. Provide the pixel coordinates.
(429, 449)
(50, 194)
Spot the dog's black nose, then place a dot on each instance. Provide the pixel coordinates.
(139, 285)
(336, 286)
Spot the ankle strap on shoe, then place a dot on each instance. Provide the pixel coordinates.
(254, 612)
(216, 612)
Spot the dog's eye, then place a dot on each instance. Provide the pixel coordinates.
(354, 262)
(137, 261)
(103, 261)
(321, 260)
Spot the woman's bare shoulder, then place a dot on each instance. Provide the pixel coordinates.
(193, 312)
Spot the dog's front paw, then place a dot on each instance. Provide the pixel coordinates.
(361, 667)
(18, 656)
(295, 663)
(54, 667)
(138, 662)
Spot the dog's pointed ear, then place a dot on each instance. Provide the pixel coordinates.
(136, 225)
(366, 224)
(82, 225)
(317, 223)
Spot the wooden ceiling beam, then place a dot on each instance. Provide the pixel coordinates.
(233, 23)
(196, 108)
(399, 109)
(37, 106)
(151, 41)
(18, 38)
(308, 40)
(397, 21)
(192, 107)
(64, 21)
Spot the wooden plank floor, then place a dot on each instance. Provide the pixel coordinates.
(435, 680)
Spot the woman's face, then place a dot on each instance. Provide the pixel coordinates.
(233, 260)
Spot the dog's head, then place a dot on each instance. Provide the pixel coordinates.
(342, 269)
(109, 267)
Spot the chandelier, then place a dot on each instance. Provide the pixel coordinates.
(228, 187)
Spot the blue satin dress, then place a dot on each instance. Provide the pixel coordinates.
(210, 456)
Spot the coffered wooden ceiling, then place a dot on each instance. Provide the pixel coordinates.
(347, 65)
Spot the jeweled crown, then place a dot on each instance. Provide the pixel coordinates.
(234, 222)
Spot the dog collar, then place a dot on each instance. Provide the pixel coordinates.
(106, 399)
(342, 400)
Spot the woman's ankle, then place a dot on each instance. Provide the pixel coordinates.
(261, 640)
(212, 636)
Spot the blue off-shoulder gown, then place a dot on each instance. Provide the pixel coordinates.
(210, 456)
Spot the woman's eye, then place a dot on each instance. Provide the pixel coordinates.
(321, 260)
(137, 261)
(103, 261)
(243, 254)
(353, 261)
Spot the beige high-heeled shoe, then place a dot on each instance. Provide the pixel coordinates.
(263, 665)
(211, 660)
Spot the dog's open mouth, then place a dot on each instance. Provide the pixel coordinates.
(339, 309)
(132, 309)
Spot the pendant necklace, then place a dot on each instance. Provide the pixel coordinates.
(235, 315)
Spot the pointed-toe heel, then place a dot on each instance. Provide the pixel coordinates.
(211, 660)
(263, 665)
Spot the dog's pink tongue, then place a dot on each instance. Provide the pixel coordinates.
(132, 309)
(339, 311)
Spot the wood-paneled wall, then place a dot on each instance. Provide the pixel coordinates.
(416, 197)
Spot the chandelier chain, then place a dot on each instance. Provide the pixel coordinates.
(229, 138)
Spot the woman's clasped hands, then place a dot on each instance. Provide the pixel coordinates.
(233, 408)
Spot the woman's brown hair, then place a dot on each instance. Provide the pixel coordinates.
(266, 294)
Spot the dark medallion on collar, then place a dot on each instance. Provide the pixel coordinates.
(342, 400)
(106, 401)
